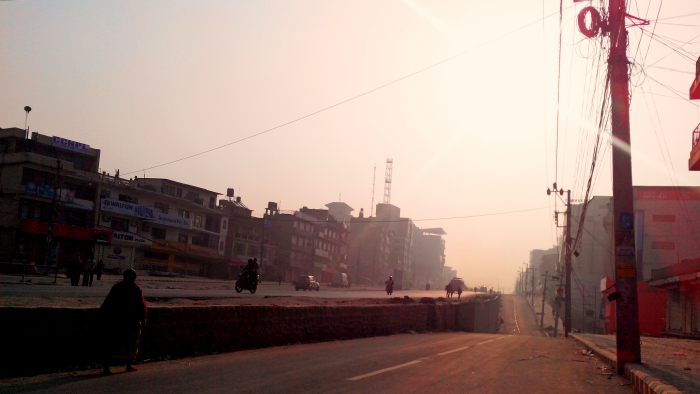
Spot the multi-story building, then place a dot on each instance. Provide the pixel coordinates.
(330, 243)
(247, 235)
(162, 225)
(48, 198)
(293, 234)
(402, 238)
(428, 257)
(369, 249)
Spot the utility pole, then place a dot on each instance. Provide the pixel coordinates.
(359, 252)
(52, 218)
(374, 259)
(626, 303)
(544, 293)
(626, 306)
(567, 259)
(567, 288)
(533, 287)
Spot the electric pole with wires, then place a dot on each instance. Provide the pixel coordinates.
(625, 295)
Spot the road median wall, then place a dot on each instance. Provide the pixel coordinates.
(39, 340)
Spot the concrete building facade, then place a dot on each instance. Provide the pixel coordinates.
(48, 199)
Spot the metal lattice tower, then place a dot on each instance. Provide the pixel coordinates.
(387, 181)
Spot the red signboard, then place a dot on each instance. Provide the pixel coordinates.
(66, 231)
(668, 194)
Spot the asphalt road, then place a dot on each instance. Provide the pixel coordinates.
(525, 362)
(263, 290)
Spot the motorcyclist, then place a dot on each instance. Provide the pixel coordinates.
(390, 282)
(251, 270)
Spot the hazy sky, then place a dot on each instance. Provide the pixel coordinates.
(150, 82)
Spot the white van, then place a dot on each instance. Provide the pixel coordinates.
(340, 280)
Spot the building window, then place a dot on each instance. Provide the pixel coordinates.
(252, 250)
(167, 189)
(664, 218)
(221, 245)
(179, 192)
(238, 248)
(119, 224)
(105, 193)
(162, 207)
(182, 238)
(183, 214)
(158, 233)
(294, 240)
(663, 245)
(198, 221)
(126, 198)
(295, 224)
(223, 225)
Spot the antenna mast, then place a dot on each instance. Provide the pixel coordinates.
(374, 182)
(387, 181)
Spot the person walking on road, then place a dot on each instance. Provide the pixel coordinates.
(449, 290)
(80, 267)
(459, 292)
(123, 314)
(88, 273)
(99, 267)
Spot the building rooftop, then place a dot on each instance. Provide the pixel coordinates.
(435, 231)
(180, 184)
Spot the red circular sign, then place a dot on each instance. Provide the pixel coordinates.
(592, 30)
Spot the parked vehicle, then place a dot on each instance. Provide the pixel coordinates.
(340, 280)
(306, 282)
(458, 283)
(247, 282)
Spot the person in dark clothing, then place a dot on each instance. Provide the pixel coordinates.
(251, 270)
(79, 268)
(88, 273)
(123, 314)
(99, 267)
(459, 292)
(71, 267)
(279, 279)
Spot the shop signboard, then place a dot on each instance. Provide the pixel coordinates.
(79, 204)
(116, 206)
(119, 237)
(118, 256)
(172, 220)
(67, 144)
(35, 189)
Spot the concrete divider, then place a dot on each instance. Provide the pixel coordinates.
(39, 340)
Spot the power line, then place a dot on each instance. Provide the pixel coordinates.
(346, 100)
(678, 16)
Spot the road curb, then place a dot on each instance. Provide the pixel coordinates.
(643, 381)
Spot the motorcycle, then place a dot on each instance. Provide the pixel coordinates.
(389, 289)
(245, 282)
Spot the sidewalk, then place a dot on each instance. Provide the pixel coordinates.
(548, 318)
(668, 365)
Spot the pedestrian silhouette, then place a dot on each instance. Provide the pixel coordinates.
(123, 315)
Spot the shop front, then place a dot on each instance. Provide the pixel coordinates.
(34, 242)
(126, 251)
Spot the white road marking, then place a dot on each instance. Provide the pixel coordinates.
(452, 351)
(481, 343)
(367, 375)
(501, 338)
